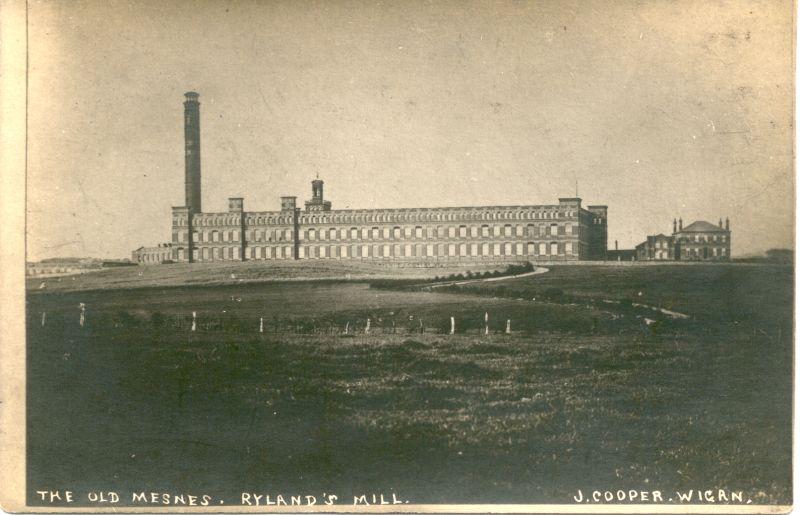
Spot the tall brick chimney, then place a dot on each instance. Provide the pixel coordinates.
(191, 131)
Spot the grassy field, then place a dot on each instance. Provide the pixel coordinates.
(759, 297)
(582, 394)
(221, 273)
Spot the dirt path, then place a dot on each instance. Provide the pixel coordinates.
(542, 270)
(539, 270)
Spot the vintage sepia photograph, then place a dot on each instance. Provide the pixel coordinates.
(353, 256)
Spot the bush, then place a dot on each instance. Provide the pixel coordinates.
(554, 294)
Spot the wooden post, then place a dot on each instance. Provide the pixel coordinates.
(486, 323)
(44, 317)
(508, 326)
(261, 325)
(194, 321)
(347, 328)
(83, 314)
(366, 329)
(452, 325)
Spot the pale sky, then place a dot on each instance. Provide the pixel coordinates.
(658, 109)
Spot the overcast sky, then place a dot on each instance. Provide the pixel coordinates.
(658, 109)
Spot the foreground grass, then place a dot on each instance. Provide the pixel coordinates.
(437, 419)
(580, 396)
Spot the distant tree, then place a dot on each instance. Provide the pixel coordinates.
(780, 255)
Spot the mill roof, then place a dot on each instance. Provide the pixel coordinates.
(702, 226)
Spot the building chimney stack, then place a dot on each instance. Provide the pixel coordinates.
(191, 132)
(680, 224)
(720, 223)
(616, 245)
(674, 225)
(727, 224)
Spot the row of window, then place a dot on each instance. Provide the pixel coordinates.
(437, 250)
(704, 238)
(384, 233)
(429, 216)
(204, 220)
(705, 252)
(393, 251)
(217, 221)
(662, 251)
(233, 220)
(154, 258)
(418, 232)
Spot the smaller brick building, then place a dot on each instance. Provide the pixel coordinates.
(703, 241)
(656, 248)
(162, 253)
(698, 241)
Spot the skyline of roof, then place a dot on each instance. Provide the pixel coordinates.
(702, 226)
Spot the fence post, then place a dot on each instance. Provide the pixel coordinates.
(508, 326)
(261, 325)
(486, 323)
(347, 328)
(83, 314)
(44, 317)
(194, 321)
(366, 329)
(452, 325)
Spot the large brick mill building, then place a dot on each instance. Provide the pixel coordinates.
(565, 231)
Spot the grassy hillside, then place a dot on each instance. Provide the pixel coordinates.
(760, 297)
(200, 274)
